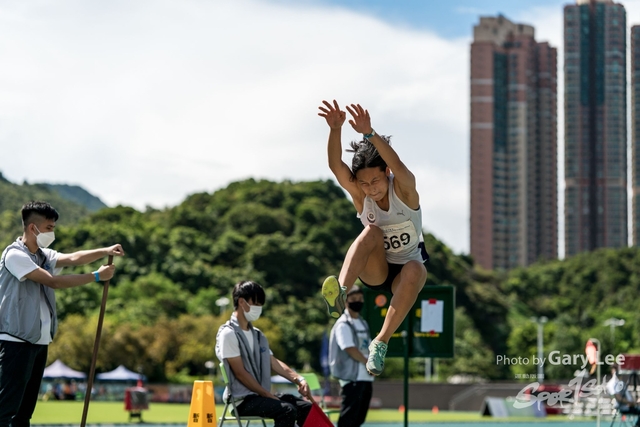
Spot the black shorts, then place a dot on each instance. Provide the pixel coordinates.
(394, 270)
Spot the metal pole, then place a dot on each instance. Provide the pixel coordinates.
(540, 321)
(599, 378)
(427, 369)
(613, 323)
(540, 355)
(405, 341)
(597, 342)
(613, 334)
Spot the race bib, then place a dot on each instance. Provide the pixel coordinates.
(399, 237)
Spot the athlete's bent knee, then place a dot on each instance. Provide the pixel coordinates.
(373, 230)
(371, 233)
(415, 272)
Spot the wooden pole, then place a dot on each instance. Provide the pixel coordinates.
(96, 346)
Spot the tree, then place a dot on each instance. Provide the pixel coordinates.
(147, 299)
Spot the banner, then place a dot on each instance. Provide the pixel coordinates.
(317, 418)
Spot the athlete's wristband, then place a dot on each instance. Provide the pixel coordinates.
(370, 135)
(96, 275)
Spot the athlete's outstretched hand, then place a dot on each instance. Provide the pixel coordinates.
(361, 122)
(332, 114)
(115, 250)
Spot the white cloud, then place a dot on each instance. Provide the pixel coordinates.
(145, 102)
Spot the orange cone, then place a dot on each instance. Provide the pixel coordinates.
(401, 408)
(435, 410)
(202, 412)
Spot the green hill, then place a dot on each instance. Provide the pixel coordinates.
(79, 195)
(13, 196)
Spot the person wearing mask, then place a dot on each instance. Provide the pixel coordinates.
(348, 353)
(29, 275)
(249, 363)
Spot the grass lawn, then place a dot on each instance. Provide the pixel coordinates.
(53, 412)
(113, 412)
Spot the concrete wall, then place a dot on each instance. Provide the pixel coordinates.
(458, 397)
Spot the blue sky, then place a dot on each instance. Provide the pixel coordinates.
(448, 18)
(145, 102)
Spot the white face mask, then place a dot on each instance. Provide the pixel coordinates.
(45, 239)
(253, 314)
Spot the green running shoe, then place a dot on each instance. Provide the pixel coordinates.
(334, 295)
(377, 353)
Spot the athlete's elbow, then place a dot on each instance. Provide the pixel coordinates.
(52, 282)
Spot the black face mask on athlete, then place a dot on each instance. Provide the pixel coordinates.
(356, 306)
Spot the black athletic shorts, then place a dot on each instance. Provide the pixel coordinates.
(394, 270)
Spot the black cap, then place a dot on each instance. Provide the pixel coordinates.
(355, 289)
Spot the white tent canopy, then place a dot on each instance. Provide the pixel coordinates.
(59, 370)
(120, 374)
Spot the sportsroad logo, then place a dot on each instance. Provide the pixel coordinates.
(529, 395)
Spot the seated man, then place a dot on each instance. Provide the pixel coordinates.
(624, 401)
(245, 352)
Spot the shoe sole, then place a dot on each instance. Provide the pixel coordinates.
(330, 293)
(373, 373)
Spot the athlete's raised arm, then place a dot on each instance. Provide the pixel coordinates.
(335, 119)
(405, 181)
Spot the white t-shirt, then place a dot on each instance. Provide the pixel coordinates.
(344, 338)
(228, 345)
(20, 264)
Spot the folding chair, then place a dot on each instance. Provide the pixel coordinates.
(314, 385)
(626, 420)
(231, 401)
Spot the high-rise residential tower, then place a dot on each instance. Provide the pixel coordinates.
(635, 132)
(513, 145)
(595, 125)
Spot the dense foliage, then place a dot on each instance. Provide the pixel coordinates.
(167, 299)
(162, 312)
(181, 261)
(578, 296)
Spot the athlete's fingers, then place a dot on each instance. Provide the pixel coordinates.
(329, 106)
(351, 112)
